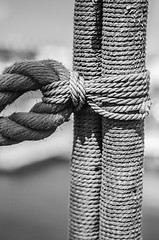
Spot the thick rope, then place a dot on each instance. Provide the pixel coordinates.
(43, 118)
(123, 53)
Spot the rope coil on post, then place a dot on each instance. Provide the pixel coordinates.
(126, 97)
(122, 97)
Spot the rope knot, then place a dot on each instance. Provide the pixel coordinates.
(122, 97)
(77, 90)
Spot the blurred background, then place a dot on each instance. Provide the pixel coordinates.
(34, 176)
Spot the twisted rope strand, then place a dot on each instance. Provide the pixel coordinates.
(43, 118)
(123, 97)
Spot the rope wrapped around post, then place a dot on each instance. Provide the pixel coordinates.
(63, 93)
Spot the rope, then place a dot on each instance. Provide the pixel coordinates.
(44, 117)
(77, 90)
(123, 53)
(125, 97)
(122, 97)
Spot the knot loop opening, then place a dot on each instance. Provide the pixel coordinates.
(122, 97)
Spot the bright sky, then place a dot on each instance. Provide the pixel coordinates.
(36, 21)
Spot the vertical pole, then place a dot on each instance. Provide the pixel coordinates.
(123, 52)
(86, 159)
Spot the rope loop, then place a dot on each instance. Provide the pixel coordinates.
(52, 79)
(122, 97)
